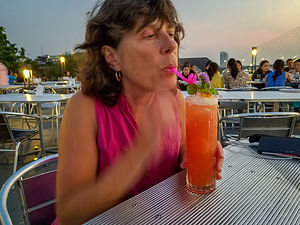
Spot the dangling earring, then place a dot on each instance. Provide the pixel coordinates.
(118, 75)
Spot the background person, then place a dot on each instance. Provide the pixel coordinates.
(11, 79)
(239, 64)
(290, 66)
(67, 76)
(262, 71)
(216, 80)
(278, 77)
(3, 74)
(235, 78)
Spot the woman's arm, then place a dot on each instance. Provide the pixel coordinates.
(81, 195)
(288, 77)
(180, 109)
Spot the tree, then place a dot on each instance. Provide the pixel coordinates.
(10, 55)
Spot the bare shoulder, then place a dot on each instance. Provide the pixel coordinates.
(180, 96)
(80, 111)
(180, 104)
(80, 101)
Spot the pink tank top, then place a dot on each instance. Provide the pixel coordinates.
(116, 131)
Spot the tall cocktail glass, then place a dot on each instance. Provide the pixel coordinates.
(201, 143)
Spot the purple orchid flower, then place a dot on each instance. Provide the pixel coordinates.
(205, 78)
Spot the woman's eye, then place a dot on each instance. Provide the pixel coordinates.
(150, 36)
(172, 35)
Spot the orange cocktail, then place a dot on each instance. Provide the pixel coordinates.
(201, 141)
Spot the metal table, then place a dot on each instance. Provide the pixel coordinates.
(67, 87)
(5, 88)
(38, 99)
(260, 96)
(255, 189)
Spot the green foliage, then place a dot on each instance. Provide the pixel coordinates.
(203, 88)
(10, 55)
(191, 89)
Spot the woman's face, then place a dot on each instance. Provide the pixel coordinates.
(145, 57)
(239, 66)
(185, 71)
(265, 67)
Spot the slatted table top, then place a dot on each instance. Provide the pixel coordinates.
(255, 189)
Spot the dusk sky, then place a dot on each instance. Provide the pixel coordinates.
(211, 25)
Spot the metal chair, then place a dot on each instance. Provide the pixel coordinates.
(280, 124)
(37, 192)
(13, 136)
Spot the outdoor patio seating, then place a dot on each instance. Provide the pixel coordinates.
(14, 137)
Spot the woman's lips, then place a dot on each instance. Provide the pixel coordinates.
(168, 71)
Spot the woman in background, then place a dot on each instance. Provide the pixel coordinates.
(214, 76)
(262, 71)
(278, 77)
(235, 78)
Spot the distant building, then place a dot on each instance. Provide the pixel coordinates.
(223, 59)
(42, 60)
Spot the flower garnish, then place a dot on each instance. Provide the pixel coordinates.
(204, 89)
(193, 87)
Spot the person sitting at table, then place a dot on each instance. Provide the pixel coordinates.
(278, 77)
(216, 80)
(235, 78)
(297, 65)
(67, 76)
(185, 71)
(127, 122)
(262, 71)
(35, 79)
(11, 79)
(239, 64)
(290, 66)
(3, 74)
(44, 78)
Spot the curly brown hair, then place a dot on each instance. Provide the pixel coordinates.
(107, 23)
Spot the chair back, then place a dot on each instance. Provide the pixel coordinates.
(5, 131)
(272, 126)
(38, 197)
(37, 192)
(234, 105)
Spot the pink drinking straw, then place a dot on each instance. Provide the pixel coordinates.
(192, 79)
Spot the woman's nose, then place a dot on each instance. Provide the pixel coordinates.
(169, 45)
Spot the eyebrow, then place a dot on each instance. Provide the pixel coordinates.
(154, 26)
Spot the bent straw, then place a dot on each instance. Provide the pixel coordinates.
(192, 79)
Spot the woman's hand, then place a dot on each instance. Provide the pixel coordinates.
(220, 159)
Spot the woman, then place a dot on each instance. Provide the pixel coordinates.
(129, 119)
(239, 64)
(278, 77)
(235, 78)
(216, 80)
(3, 74)
(185, 71)
(262, 71)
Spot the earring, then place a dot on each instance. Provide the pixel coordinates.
(118, 75)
